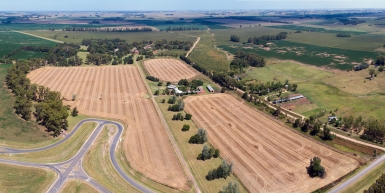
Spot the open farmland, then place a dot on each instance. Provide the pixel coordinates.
(169, 69)
(118, 92)
(10, 41)
(267, 156)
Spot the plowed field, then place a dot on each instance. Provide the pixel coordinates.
(117, 92)
(169, 69)
(267, 156)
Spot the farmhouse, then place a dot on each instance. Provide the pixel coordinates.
(331, 118)
(175, 89)
(289, 99)
(210, 88)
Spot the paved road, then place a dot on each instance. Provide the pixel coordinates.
(360, 174)
(73, 167)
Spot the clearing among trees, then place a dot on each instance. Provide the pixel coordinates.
(171, 70)
(267, 156)
(116, 92)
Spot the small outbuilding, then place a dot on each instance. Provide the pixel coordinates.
(210, 88)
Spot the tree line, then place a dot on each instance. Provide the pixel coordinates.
(262, 40)
(343, 35)
(181, 28)
(83, 29)
(50, 110)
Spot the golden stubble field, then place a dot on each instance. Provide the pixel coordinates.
(267, 156)
(118, 92)
(169, 69)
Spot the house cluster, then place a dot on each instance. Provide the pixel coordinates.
(174, 89)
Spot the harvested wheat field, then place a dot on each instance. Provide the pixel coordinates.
(267, 156)
(171, 70)
(118, 92)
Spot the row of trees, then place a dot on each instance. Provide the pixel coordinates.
(208, 153)
(84, 29)
(199, 138)
(343, 35)
(193, 84)
(223, 171)
(50, 110)
(262, 40)
(181, 28)
(60, 54)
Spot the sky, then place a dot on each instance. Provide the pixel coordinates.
(133, 5)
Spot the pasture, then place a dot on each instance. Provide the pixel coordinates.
(76, 186)
(118, 92)
(350, 92)
(207, 55)
(10, 41)
(25, 179)
(247, 138)
(309, 54)
(169, 70)
(77, 37)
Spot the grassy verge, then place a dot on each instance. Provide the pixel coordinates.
(25, 179)
(77, 186)
(364, 182)
(190, 152)
(59, 153)
(98, 165)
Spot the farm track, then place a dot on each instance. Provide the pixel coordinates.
(267, 156)
(116, 92)
(171, 70)
(49, 39)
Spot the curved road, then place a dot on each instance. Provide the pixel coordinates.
(73, 167)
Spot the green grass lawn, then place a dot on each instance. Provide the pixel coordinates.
(25, 179)
(77, 37)
(327, 90)
(59, 153)
(10, 41)
(77, 186)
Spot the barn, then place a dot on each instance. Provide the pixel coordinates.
(210, 88)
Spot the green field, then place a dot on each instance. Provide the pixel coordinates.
(309, 54)
(58, 27)
(328, 90)
(10, 41)
(206, 55)
(163, 24)
(315, 29)
(77, 37)
(25, 179)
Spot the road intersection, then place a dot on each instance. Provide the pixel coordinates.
(73, 168)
